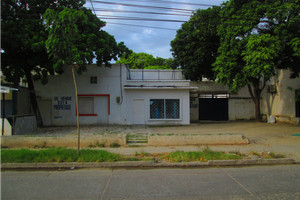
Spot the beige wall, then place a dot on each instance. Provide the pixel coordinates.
(282, 103)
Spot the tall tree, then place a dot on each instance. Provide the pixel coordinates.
(23, 42)
(75, 39)
(196, 44)
(257, 37)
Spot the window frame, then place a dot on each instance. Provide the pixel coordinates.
(93, 80)
(165, 110)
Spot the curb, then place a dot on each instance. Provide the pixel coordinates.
(148, 164)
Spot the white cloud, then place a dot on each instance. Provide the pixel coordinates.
(148, 31)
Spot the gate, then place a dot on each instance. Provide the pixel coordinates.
(215, 109)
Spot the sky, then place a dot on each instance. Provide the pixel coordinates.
(140, 34)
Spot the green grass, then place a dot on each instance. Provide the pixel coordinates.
(203, 156)
(94, 155)
(58, 155)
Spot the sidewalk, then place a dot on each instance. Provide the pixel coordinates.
(263, 137)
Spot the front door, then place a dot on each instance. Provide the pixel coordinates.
(138, 111)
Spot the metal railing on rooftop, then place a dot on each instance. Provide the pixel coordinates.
(150, 74)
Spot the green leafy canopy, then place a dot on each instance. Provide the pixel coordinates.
(196, 43)
(257, 37)
(147, 61)
(75, 36)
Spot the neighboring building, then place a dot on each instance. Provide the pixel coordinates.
(115, 95)
(15, 101)
(16, 113)
(211, 101)
(279, 98)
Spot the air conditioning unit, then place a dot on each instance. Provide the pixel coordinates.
(118, 99)
(272, 89)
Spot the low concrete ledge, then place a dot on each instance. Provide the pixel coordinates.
(251, 162)
(74, 165)
(67, 141)
(185, 140)
(148, 164)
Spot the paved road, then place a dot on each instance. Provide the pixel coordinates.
(272, 182)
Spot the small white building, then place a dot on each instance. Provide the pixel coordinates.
(115, 95)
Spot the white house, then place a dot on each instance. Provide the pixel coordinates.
(116, 95)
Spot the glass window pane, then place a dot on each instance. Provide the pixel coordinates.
(172, 108)
(157, 109)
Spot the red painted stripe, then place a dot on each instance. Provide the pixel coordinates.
(87, 114)
(108, 104)
(93, 95)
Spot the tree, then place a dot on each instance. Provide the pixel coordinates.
(196, 44)
(257, 37)
(146, 61)
(23, 42)
(75, 38)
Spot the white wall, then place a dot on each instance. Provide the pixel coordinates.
(57, 98)
(141, 98)
(60, 90)
(241, 109)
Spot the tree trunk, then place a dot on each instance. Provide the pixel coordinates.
(33, 100)
(256, 99)
(257, 105)
(77, 111)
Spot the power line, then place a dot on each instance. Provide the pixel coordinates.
(92, 6)
(134, 31)
(138, 18)
(139, 12)
(155, 27)
(174, 2)
(144, 6)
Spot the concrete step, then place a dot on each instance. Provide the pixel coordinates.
(137, 144)
(137, 141)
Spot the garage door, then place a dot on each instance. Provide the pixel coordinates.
(215, 109)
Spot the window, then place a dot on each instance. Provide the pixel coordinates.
(86, 106)
(164, 109)
(93, 80)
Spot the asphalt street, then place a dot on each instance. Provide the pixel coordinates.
(261, 182)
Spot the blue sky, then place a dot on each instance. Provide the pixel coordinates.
(145, 39)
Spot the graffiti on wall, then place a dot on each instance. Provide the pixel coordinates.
(62, 103)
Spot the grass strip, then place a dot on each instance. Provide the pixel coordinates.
(93, 155)
(58, 155)
(203, 156)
